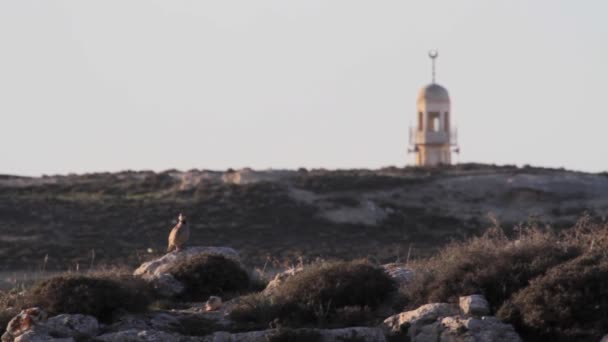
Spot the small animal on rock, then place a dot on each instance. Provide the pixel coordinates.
(179, 234)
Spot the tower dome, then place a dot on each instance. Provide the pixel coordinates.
(433, 93)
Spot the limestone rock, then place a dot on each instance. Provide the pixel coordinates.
(400, 274)
(156, 271)
(32, 325)
(76, 325)
(425, 314)
(441, 322)
(475, 305)
(486, 329)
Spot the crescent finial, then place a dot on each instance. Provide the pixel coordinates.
(433, 53)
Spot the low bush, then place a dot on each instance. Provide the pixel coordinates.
(323, 294)
(337, 284)
(492, 265)
(568, 303)
(208, 274)
(99, 297)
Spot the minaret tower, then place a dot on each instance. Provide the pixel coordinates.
(432, 139)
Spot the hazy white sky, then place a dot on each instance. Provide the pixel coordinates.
(117, 84)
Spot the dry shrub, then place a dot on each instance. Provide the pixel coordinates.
(492, 265)
(99, 297)
(10, 303)
(568, 303)
(208, 274)
(337, 284)
(323, 294)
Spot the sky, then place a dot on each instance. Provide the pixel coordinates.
(92, 86)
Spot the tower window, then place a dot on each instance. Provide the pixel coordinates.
(420, 125)
(434, 122)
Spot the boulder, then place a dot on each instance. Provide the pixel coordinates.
(444, 323)
(485, 329)
(474, 305)
(423, 315)
(399, 272)
(32, 325)
(157, 271)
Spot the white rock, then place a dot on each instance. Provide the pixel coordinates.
(156, 271)
(486, 329)
(32, 325)
(474, 305)
(401, 274)
(24, 322)
(441, 322)
(425, 314)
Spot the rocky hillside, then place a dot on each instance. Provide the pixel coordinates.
(64, 222)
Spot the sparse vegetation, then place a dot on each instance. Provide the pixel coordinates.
(493, 265)
(550, 285)
(208, 274)
(324, 294)
(568, 303)
(99, 297)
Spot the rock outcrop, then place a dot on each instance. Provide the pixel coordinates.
(157, 271)
(474, 305)
(448, 323)
(34, 325)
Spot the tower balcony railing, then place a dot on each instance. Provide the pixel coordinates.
(418, 137)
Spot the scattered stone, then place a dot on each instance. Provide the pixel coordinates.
(441, 322)
(474, 305)
(213, 303)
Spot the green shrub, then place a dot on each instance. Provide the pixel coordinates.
(207, 274)
(492, 265)
(568, 303)
(98, 297)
